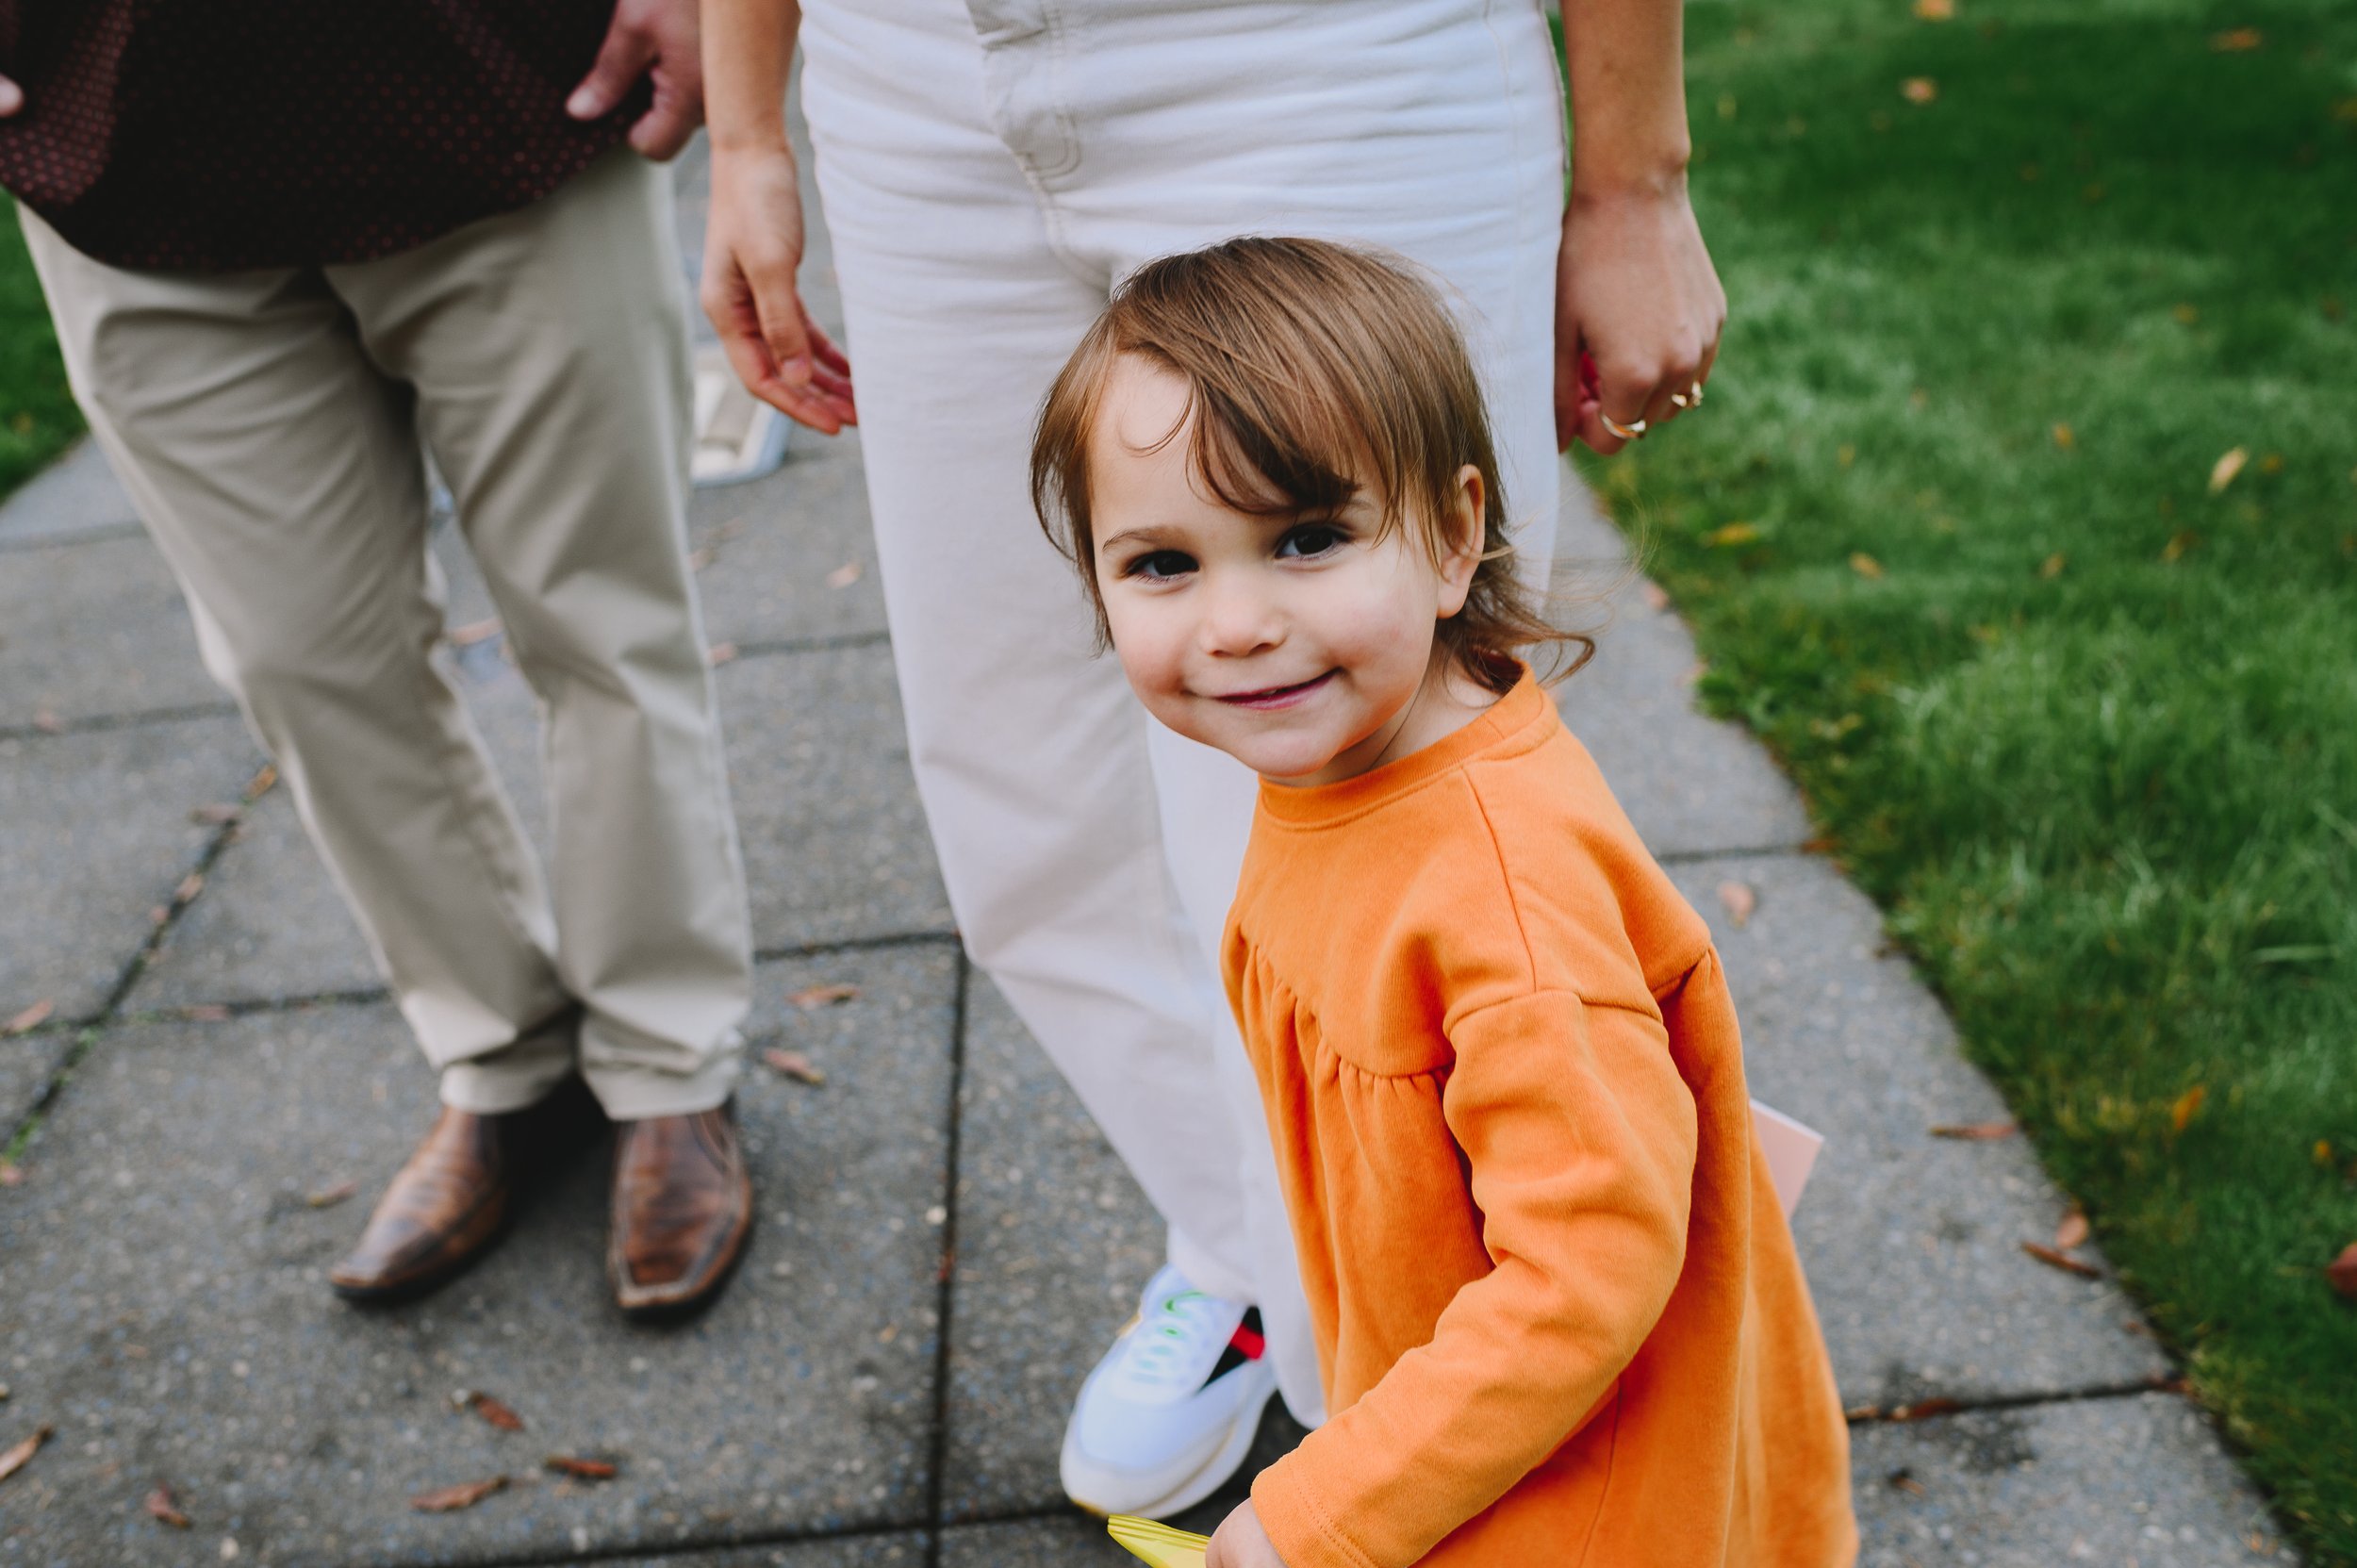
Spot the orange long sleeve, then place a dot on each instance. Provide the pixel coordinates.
(1558, 1308)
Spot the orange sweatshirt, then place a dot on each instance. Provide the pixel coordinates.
(1557, 1311)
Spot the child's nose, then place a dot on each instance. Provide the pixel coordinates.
(1240, 618)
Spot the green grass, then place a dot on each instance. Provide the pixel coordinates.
(36, 414)
(2091, 735)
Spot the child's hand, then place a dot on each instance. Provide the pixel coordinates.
(1241, 1543)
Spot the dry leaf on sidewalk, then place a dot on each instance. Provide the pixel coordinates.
(265, 780)
(2342, 1272)
(582, 1469)
(327, 1197)
(1978, 1132)
(450, 1499)
(846, 574)
(794, 1065)
(1741, 899)
(2068, 1264)
(2072, 1232)
(32, 1017)
(11, 1174)
(809, 999)
(16, 1458)
(191, 885)
(160, 1506)
(215, 813)
(495, 1412)
(1923, 1410)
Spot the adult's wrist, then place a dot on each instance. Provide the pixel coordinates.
(1662, 180)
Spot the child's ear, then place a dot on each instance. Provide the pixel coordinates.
(1463, 530)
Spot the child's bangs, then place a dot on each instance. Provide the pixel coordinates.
(1289, 440)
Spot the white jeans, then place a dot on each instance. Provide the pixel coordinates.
(990, 169)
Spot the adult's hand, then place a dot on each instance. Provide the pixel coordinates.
(11, 97)
(1241, 1542)
(657, 37)
(752, 250)
(1638, 313)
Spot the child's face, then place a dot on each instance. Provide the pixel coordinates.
(1294, 644)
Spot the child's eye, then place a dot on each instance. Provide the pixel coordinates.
(1160, 565)
(1310, 540)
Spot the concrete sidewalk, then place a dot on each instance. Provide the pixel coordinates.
(947, 1243)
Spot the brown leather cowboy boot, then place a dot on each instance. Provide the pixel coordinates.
(444, 1208)
(683, 1207)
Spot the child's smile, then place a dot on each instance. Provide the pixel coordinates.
(1302, 644)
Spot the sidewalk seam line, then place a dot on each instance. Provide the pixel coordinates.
(107, 724)
(937, 1479)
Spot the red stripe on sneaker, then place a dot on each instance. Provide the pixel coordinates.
(1248, 1342)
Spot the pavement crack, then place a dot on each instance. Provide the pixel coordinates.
(937, 1468)
(771, 647)
(1756, 851)
(101, 723)
(1936, 1407)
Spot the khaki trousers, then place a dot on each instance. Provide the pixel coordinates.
(268, 425)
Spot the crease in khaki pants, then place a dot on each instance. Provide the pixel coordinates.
(268, 425)
(990, 169)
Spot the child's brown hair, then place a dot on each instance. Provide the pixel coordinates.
(1312, 369)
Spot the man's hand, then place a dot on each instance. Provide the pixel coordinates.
(1241, 1543)
(753, 248)
(11, 97)
(1636, 297)
(661, 34)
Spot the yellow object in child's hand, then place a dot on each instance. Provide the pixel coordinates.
(1157, 1543)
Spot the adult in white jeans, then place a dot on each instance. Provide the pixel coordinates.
(990, 170)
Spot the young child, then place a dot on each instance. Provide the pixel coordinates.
(1559, 1314)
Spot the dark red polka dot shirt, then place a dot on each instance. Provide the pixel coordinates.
(210, 135)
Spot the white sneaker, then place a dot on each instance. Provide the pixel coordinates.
(1172, 1410)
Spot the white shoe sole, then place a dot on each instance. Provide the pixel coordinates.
(1084, 1480)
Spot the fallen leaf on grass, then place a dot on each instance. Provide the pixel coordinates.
(1978, 1132)
(160, 1506)
(32, 1017)
(2222, 472)
(215, 813)
(2236, 40)
(2072, 1232)
(2185, 313)
(846, 574)
(1731, 535)
(580, 1469)
(2065, 437)
(495, 1412)
(2180, 544)
(18, 1456)
(2187, 1107)
(450, 1499)
(1866, 566)
(794, 1065)
(1919, 90)
(2342, 1272)
(720, 654)
(1741, 899)
(2271, 463)
(472, 632)
(809, 999)
(1923, 1410)
(2322, 1154)
(2063, 1261)
(327, 1197)
(1935, 10)
(2052, 566)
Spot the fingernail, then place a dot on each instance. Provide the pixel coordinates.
(579, 105)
